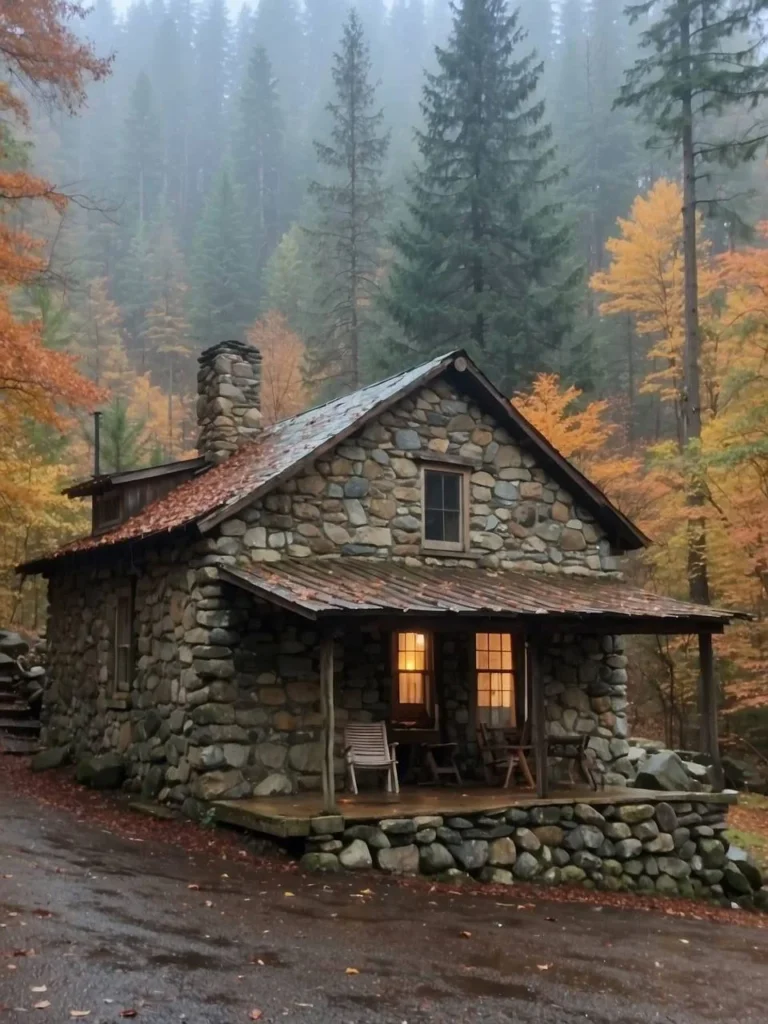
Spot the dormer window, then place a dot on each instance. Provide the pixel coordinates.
(444, 505)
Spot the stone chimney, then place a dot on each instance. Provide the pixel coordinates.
(228, 387)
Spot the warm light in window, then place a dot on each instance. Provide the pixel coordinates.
(495, 678)
(412, 667)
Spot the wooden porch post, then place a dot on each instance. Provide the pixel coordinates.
(538, 719)
(708, 737)
(329, 722)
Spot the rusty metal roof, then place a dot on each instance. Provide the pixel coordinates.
(318, 588)
(284, 448)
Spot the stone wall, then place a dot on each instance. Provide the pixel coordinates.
(364, 499)
(670, 848)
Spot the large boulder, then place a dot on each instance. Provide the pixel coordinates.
(217, 785)
(12, 644)
(746, 865)
(53, 757)
(664, 771)
(104, 771)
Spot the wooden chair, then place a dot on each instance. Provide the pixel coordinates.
(440, 762)
(366, 746)
(504, 749)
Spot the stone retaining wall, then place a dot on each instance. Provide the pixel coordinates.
(673, 849)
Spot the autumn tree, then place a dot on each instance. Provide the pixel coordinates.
(698, 67)
(42, 58)
(283, 388)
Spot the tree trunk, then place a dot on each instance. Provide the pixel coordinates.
(698, 581)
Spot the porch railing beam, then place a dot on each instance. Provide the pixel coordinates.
(708, 735)
(538, 719)
(329, 723)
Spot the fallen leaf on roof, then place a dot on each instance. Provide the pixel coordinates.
(289, 894)
(351, 970)
(129, 1013)
(79, 1013)
(255, 1015)
(39, 988)
(543, 967)
(42, 1005)
(466, 935)
(193, 885)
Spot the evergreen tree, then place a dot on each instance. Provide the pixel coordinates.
(212, 80)
(288, 282)
(122, 442)
(705, 58)
(350, 207)
(258, 158)
(479, 263)
(222, 302)
(142, 163)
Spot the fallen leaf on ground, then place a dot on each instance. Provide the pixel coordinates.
(351, 970)
(129, 1013)
(543, 967)
(42, 1005)
(466, 935)
(289, 894)
(39, 988)
(367, 892)
(79, 1013)
(11, 967)
(686, 942)
(193, 885)
(209, 903)
(255, 1015)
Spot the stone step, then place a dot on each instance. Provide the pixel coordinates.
(20, 745)
(14, 709)
(13, 725)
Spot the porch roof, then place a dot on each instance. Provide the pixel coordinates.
(323, 589)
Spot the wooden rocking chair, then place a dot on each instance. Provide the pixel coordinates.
(504, 749)
(366, 746)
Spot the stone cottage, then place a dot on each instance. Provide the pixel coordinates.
(416, 547)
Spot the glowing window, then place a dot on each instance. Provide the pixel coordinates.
(494, 665)
(413, 689)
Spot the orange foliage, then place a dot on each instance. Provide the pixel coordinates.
(283, 388)
(43, 58)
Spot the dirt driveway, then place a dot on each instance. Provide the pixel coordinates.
(98, 922)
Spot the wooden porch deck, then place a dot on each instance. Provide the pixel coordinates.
(286, 816)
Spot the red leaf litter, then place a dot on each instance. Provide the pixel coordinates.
(57, 789)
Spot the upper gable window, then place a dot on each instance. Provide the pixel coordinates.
(444, 504)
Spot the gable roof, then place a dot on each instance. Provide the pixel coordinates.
(286, 447)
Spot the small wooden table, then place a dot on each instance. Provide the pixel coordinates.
(573, 747)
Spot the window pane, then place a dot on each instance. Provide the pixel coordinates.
(451, 491)
(451, 527)
(495, 688)
(433, 524)
(433, 490)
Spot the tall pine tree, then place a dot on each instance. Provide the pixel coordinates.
(478, 264)
(258, 159)
(222, 302)
(350, 207)
(705, 58)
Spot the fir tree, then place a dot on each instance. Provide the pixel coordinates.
(479, 263)
(221, 298)
(142, 163)
(705, 58)
(350, 207)
(258, 157)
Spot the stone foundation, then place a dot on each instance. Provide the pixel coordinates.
(672, 848)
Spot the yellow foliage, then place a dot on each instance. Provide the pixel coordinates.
(283, 388)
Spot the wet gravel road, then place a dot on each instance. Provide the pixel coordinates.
(114, 926)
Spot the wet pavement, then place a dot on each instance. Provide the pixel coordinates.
(114, 926)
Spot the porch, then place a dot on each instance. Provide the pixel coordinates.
(567, 667)
(304, 814)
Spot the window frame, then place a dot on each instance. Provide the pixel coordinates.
(124, 596)
(462, 544)
(100, 524)
(416, 716)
